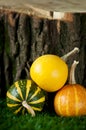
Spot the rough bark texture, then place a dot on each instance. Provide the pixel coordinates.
(24, 38)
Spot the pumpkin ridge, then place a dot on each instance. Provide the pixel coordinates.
(59, 103)
(42, 99)
(67, 103)
(12, 105)
(76, 100)
(36, 92)
(36, 108)
(12, 97)
(19, 89)
(19, 109)
(28, 86)
(82, 110)
(72, 103)
(31, 92)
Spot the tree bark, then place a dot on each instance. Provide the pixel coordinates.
(23, 38)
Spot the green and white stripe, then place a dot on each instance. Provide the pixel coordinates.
(28, 91)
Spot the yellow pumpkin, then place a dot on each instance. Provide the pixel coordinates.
(50, 72)
(70, 100)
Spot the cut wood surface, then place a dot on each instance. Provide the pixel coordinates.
(46, 8)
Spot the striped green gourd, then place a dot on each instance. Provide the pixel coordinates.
(24, 95)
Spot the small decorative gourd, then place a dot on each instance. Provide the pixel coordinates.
(25, 95)
(71, 99)
(50, 71)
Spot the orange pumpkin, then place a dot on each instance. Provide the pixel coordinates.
(70, 100)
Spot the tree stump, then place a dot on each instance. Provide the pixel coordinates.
(27, 32)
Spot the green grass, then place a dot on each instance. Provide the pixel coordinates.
(45, 120)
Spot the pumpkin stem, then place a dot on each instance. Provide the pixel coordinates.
(72, 72)
(66, 56)
(29, 108)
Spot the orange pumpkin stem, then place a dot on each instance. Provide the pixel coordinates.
(29, 108)
(72, 72)
(66, 56)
